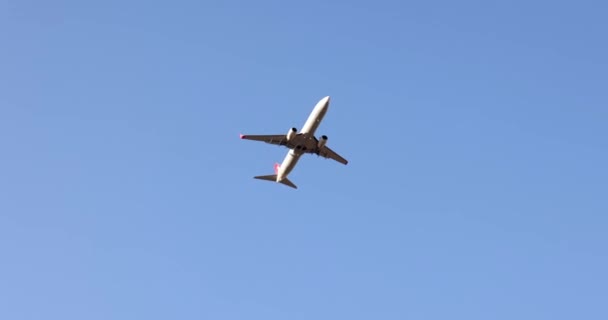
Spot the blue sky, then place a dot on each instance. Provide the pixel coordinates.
(476, 134)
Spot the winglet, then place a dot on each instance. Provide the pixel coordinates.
(241, 136)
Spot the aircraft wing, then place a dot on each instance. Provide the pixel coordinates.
(281, 140)
(276, 139)
(326, 152)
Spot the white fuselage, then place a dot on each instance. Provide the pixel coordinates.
(308, 130)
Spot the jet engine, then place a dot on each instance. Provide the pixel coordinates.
(322, 142)
(291, 133)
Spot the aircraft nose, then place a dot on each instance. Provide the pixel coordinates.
(323, 104)
(325, 101)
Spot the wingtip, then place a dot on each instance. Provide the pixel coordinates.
(241, 136)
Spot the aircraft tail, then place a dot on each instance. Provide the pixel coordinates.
(273, 178)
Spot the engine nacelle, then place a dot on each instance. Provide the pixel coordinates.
(291, 133)
(322, 142)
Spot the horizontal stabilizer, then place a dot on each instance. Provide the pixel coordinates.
(273, 177)
(287, 182)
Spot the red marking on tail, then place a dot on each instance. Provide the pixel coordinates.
(276, 168)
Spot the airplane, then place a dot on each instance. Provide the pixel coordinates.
(298, 144)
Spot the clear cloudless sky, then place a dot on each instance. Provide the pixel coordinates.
(476, 132)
